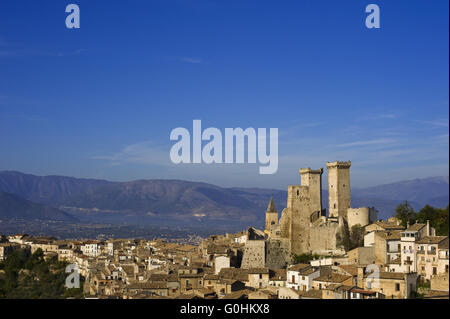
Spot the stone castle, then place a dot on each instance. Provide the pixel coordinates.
(304, 226)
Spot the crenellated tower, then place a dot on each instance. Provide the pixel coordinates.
(338, 189)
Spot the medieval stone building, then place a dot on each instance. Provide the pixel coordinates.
(304, 224)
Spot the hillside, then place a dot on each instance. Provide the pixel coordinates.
(50, 190)
(14, 207)
(176, 202)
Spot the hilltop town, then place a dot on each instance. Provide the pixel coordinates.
(305, 253)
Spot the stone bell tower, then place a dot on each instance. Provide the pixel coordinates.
(271, 215)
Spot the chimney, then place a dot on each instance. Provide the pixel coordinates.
(428, 227)
(407, 224)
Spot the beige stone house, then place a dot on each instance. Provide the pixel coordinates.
(227, 286)
(262, 294)
(258, 277)
(332, 280)
(288, 293)
(190, 278)
(390, 284)
(301, 276)
(277, 277)
(428, 256)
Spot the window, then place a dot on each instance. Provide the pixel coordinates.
(397, 287)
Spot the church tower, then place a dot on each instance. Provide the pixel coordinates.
(338, 189)
(271, 215)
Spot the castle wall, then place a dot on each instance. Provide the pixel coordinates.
(285, 224)
(298, 206)
(323, 238)
(254, 254)
(359, 216)
(277, 253)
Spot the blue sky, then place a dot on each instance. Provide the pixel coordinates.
(100, 101)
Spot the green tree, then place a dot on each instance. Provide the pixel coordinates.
(356, 236)
(32, 276)
(304, 258)
(405, 213)
(438, 218)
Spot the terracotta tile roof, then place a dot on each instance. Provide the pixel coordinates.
(148, 285)
(258, 271)
(415, 227)
(211, 277)
(388, 225)
(389, 275)
(312, 293)
(298, 267)
(234, 273)
(432, 239)
(389, 235)
(349, 269)
(333, 277)
(240, 294)
(277, 274)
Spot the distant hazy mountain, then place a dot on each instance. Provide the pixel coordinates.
(46, 189)
(15, 207)
(175, 202)
(415, 190)
(170, 201)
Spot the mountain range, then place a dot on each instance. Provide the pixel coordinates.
(177, 202)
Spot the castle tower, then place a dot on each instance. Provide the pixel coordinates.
(313, 179)
(338, 189)
(271, 215)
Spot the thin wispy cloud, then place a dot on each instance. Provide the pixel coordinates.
(379, 116)
(138, 153)
(7, 51)
(22, 117)
(438, 123)
(382, 141)
(192, 60)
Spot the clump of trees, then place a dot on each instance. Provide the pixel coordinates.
(438, 217)
(304, 258)
(350, 239)
(31, 276)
